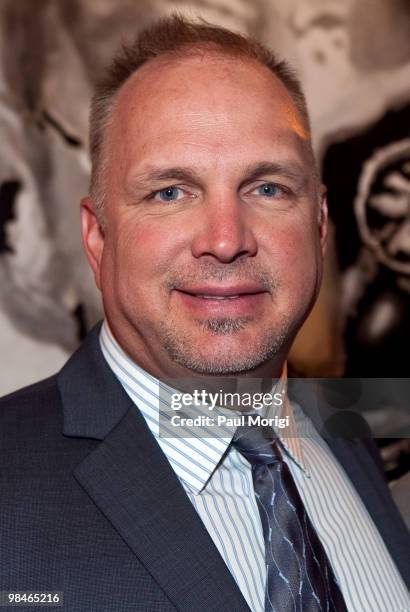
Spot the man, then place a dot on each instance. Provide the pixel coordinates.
(205, 229)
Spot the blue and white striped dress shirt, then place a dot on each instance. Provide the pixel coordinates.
(222, 494)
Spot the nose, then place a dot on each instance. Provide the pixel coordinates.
(224, 231)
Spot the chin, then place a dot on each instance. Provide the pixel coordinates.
(225, 358)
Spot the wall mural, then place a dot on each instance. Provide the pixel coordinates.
(354, 59)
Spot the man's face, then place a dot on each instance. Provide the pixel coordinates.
(211, 255)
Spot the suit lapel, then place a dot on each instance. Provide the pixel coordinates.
(132, 483)
(366, 478)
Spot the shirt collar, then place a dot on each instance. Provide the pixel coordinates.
(203, 448)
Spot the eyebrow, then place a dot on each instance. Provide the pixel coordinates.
(291, 169)
(178, 173)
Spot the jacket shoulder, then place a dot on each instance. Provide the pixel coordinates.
(30, 391)
(33, 409)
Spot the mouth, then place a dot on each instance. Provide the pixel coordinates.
(223, 301)
(205, 296)
(222, 293)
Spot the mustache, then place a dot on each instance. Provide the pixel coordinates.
(222, 273)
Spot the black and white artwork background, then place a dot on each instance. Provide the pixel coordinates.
(353, 57)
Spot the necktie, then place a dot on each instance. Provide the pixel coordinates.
(299, 577)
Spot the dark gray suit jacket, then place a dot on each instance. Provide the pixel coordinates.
(90, 506)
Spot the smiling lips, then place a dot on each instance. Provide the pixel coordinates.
(221, 293)
(217, 297)
(236, 300)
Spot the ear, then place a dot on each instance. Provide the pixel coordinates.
(93, 238)
(323, 218)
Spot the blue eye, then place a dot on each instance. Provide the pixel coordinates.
(269, 190)
(168, 194)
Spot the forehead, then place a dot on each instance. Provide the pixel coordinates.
(207, 101)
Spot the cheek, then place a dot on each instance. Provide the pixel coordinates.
(294, 257)
(141, 253)
(140, 247)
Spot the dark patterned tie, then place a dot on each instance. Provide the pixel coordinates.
(299, 575)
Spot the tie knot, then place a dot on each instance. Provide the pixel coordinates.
(257, 444)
